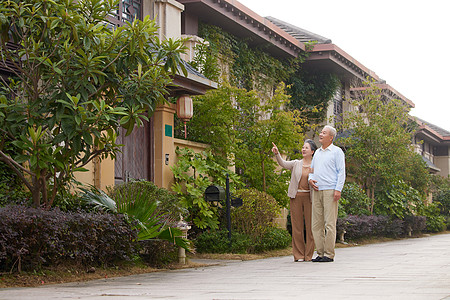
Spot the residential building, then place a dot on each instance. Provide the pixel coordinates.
(433, 143)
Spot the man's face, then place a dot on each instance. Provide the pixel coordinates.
(325, 137)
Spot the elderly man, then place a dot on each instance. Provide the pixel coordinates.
(327, 179)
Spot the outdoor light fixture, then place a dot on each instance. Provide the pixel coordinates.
(185, 110)
(217, 194)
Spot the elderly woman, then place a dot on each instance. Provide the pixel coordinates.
(300, 204)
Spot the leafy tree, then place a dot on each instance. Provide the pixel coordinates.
(378, 148)
(73, 81)
(194, 172)
(242, 131)
(440, 187)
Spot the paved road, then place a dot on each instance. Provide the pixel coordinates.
(403, 269)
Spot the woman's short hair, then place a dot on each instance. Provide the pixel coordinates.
(312, 145)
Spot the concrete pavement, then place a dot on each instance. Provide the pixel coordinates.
(404, 269)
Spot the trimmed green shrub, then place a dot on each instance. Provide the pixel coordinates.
(256, 215)
(274, 238)
(31, 238)
(357, 227)
(217, 241)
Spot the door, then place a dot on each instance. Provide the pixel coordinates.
(136, 159)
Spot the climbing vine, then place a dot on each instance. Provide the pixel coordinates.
(253, 68)
(245, 67)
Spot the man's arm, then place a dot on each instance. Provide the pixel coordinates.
(311, 180)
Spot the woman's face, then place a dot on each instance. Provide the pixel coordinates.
(306, 150)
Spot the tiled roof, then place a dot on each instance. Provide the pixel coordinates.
(192, 70)
(430, 164)
(300, 34)
(436, 128)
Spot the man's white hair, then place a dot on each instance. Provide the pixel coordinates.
(332, 130)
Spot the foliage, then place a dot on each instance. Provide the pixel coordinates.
(256, 215)
(193, 173)
(245, 67)
(158, 253)
(379, 143)
(73, 82)
(416, 174)
(353, 200)
(11, 189)
(435, 221)
(242, 132)
(66, 200)
(415, 224)
(168, 204)
(274, 238)
(216, 241)
(135, 203)
(399, 200)
(357, 227)
(440, 187)
(250, 68)
(312, 92)
(30, 238)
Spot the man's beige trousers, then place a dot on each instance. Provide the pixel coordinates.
(324, 217)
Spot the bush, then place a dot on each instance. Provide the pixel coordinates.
(354, 201)
(357, 227)
(274, 238)
(440, 188)
(415, 224)
(11, 187)
(398, 200)
(167, 202)
(443, 197)
(435, 221)
(158, 253)
(218, 242)
(31, 238)
(256, 215)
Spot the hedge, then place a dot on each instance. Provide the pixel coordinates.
(31, 238)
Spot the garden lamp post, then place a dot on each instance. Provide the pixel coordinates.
(184, 227)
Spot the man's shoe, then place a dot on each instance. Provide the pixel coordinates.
(317, 259)
(326, 259)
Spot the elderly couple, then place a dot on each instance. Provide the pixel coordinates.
(323, 170)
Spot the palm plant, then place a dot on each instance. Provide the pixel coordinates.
(141, 211)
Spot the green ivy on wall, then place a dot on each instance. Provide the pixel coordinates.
(249, 68)
(252, 68)
(311, 93)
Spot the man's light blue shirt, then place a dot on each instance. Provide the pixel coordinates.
(328, 168)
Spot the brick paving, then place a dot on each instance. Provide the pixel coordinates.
(416, 268)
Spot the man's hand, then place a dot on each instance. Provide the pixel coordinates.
(274, 149)
(312, 183)
(337, 195)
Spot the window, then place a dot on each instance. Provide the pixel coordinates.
(338, 109)
(128, 10)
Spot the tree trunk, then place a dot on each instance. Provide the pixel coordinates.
(372, 196)
(36, 192)
(264, 176)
